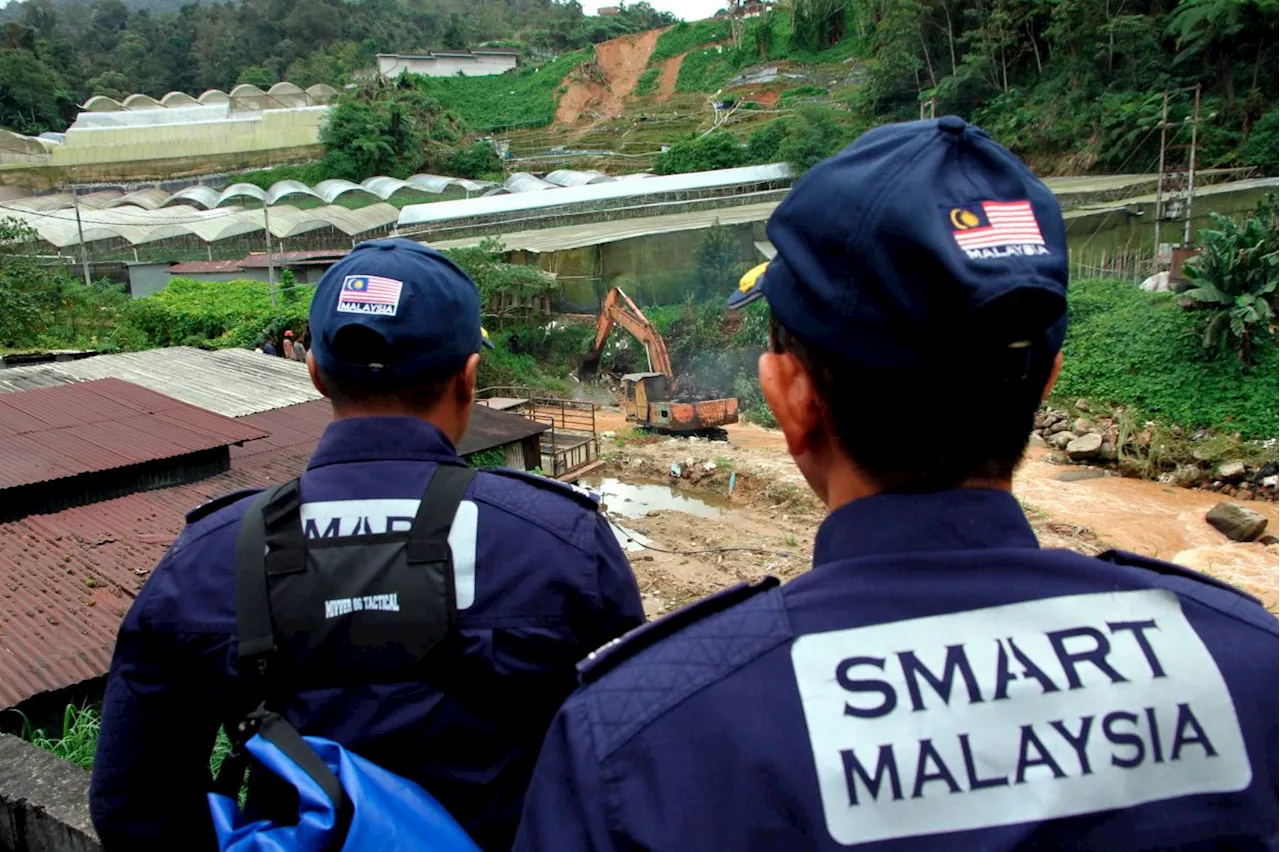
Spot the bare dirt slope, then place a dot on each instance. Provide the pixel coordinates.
(621, 62)
(667, 79)
(772, 509)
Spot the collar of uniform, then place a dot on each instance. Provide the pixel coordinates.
(903, 523)
(381, 439)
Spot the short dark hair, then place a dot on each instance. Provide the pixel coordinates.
(360, 345)
(899, 426)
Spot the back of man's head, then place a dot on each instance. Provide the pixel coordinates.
(395, 330)
(919, 307)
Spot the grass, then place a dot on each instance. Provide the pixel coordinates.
(77, 740)
(523, 98)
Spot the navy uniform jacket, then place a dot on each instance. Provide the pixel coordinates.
(936, 682)
(541, 581)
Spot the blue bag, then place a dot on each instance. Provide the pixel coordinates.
(345, 802)
(368, 609)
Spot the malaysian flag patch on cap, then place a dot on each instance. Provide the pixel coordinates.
(369, 294)
(994, 229)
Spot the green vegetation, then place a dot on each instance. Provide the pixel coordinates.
(717, 261)
(802, 92)
(212, 314)
(647, 84)
(492, 457)
(1234, 281)
(388, 129)
(526, 97)
(78, 740)
(685, 36)
(55, 56)
(45, 307)
(1142, 351)
(811, 134)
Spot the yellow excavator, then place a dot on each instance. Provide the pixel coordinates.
(650, 398)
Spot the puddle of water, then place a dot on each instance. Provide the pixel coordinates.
(637, 499)
(630, 540)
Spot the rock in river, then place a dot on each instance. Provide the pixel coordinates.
(1084, 447)
(1236, 522)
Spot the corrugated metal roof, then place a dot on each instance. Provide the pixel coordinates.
(422, 214)
(204, 267)
(57, 432)
(302, 425)
(231, 382)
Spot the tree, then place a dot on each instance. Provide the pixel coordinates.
(455, 33)
(32, 96)
(1234, 281)
(111, 84)
(20, 319)
(477, 161)
(717, 150)
(256, 75)
(812, 134)
(718, 255)
(389, 129)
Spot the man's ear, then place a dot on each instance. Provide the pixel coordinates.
(314, 371)
(1053, 377)
(466, 385)
(790, 393)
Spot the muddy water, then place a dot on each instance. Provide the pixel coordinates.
(637, 499)
(1154, 520)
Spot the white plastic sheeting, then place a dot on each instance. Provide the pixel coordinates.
(569, 177)
(137, 226)
(525, 182)
(424, 214)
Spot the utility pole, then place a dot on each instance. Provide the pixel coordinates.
(1191, 172)
(271, 267)
(1164, 132)
(84, 251)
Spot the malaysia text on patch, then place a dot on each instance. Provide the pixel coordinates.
(997, 229)
(369, 294)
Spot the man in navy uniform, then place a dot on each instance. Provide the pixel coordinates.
(540, 581)
(936, 681)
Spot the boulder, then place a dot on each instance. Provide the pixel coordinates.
(1084, 447)
(1185, 475)
(1268, 540)
(1057, 427)
(1236, 522)
(1082, 405)
(1231, 471)
(1108, 451)
(1269, 481)
(1244, 494)
(1060, 440)
(1036, 441)
(1082, 426)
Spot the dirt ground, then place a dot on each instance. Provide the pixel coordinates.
(667, 79)
(772, 511)
(622, 60)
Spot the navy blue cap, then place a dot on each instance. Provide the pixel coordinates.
(418, 301)
(918, 243)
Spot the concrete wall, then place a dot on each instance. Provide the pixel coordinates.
(656, 269)
(44, 801)
(245, 132)
(147, 278)
(393, 65)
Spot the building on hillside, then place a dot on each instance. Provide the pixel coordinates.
(609, 11)
(96, 475)
(481, 62)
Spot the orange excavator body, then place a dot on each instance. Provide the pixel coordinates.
(648, 396)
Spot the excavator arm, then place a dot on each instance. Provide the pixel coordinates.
(618, 309)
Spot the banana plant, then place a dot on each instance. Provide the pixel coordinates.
(1234, 280)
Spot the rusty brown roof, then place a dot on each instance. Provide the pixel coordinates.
(68, 578)
(57, 432)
